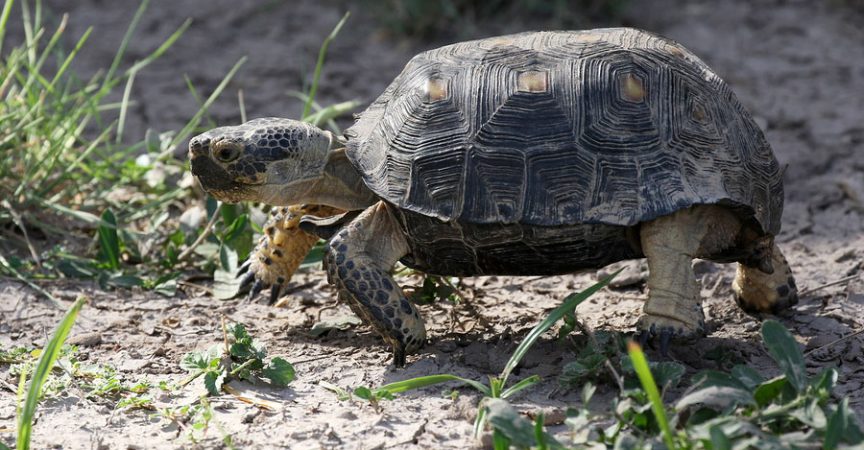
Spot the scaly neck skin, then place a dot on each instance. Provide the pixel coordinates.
(340, 186)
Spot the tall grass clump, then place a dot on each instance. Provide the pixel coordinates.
(64, 167)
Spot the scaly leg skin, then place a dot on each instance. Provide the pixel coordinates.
(759, 292)
(281, 249)
(674, 306)
(358, 261)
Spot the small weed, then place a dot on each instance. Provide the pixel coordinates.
(241, 358)
(195, 419)
(494, 409)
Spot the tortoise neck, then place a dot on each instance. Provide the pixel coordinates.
(341, 186)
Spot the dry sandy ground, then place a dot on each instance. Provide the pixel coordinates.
(798, 67)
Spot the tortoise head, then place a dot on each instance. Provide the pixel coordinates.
(268, 160)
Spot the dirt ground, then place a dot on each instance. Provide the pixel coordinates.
(797, 66)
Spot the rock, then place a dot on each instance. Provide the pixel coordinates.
(86, 339)
(633, 273)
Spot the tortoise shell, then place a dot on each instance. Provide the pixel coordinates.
(611, 126)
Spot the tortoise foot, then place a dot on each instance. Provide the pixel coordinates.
(280, 251)
(665, 330)
(758, 292)
(655, 325)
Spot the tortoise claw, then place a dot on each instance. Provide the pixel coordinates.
(274, 293)
(247, 279)
(399, 356)
(256, 289)
(642, 337)
(244, 267)
(665, 340)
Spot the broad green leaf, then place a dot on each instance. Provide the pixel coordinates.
(667, 373)
(769, 390)
(279, 371)
(519, 430)
(719, 441)
(200, 360)
(584, 368)
(228, 259)
(786, 353)
(810, 414)
(125, 281)
(341, 322)
(213, 381)
(747, 376)
(363, 392)
(314, 257)
(826, 380)
(226, 285)
(717, 397)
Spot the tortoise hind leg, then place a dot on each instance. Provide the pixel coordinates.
(756, 291)
(674, 306)
(358, 261)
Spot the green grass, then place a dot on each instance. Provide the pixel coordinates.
(66, 173)
(49, 354)
(719, 410)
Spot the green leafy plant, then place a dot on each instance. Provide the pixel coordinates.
(739, 409)
(242, 358)
(497, 391)
(66, 172)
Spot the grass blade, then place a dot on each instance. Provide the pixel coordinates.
(530, 381)
(640, 364)
(419, 382)
(196, 119)
(322, 53)
(4, 17)
(109, 243)
(46, 363)
(569, 304)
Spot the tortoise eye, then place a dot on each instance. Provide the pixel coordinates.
(227, 153)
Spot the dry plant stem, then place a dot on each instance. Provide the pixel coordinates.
(469, 305)
(33, 285)
(225, 335)
(833, 283)
(207, 230)
(20, 222)
(196, 286)
(8, 386)
(834, 342)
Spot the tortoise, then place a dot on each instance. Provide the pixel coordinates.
(536, 153)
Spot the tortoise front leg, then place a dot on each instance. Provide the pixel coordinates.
(358, 261)
(281, 249)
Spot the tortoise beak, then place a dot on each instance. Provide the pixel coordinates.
(216, 181)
